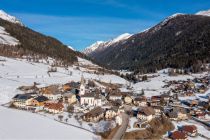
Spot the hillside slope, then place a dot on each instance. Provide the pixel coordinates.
(30, 43)
(180, 41)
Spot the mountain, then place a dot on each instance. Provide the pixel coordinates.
(7, 17)
(99, 46)
(17, 40)
(179, 41)
(204, 13)
(71, 47)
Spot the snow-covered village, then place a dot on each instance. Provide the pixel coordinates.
(150, 83)
(100, 104)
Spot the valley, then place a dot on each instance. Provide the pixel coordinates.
(150, 85)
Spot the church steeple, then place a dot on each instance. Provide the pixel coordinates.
(82, 80)
(82, 85)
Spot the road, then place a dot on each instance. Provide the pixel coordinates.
(125, 120)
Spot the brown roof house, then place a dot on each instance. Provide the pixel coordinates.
(178, 135)
(51, 92)
(94, 115)
(158, 109)
(140, 101)
(146, 113)
(190, 130)
(69, 98)
(54, 107)
(112, 112)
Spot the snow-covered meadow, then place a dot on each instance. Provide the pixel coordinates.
(15, 124)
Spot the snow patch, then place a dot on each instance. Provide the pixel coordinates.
(101, 45)
(7, 17)
(35, 126)
(204, 13)
(6, 39)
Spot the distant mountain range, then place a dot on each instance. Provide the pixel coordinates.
(180, 41)
(100, 46)
(17, 40)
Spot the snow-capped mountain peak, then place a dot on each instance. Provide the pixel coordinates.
(101, 45)
(204, 13)
(93, 47)
(71, 47)
(7, 17)
(172, 16)
(121, 37)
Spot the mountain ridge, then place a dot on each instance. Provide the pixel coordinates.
(179, 41)
(101, 45)
(27, 42)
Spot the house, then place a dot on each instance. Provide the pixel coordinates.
(128, 99)
(69, 98)
(178, 135)
(29, 89)
(190, 130)
(200, 115)
(22, 100)
(115, 96)
(94, 115)
(173, 115)
(191, 85)
(189, 93)
(155, 98)
(177, 114)
(182, 114)
(146, 113)
(54, 107)
(140, 101)
(165, 97)
(111, 113)
(71, 85)
(90, 99)
(51, 92)
(39, 101)
(118, 119)
(193, 102)
(158, 109)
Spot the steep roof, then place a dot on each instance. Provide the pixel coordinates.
(178, 135)
(41, 98)
(55, 106)
(147, 111)
(94, 112)
(189, 128)
(22, 97)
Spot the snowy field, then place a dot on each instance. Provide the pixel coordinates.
(16, 124)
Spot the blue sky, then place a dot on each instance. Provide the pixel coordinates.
(80, 23)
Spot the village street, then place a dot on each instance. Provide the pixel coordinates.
(125, 120)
